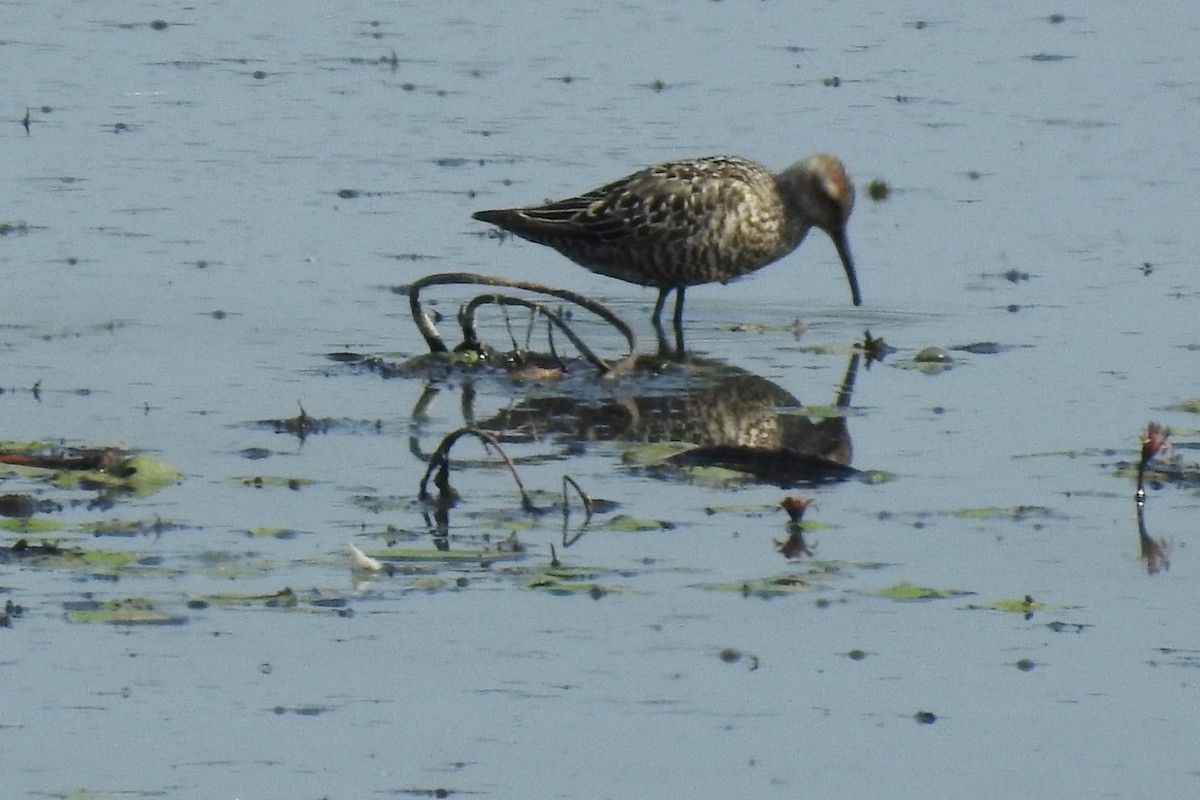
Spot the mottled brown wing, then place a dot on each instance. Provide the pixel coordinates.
(661, 203)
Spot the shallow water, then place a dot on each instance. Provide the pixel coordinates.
(182, 263)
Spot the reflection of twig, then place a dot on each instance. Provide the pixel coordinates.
(583, 498)
(441, 462)
(434, 340)
(587, 511)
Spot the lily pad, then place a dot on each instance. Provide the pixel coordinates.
(623, 523)
(1189, 406)
(130, 611)
(125, 528)
(32, 525)
(444, 556)
(285, 598)
(274, 533)
(555, 586)
(272, 482)
(764, 587)
(51, 555)
(1017, 605)
(140, 474)
(1014, 512)
(908, 591)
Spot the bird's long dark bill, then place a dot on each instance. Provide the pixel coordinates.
(843, 249)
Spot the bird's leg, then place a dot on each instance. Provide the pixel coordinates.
(658, 307)
(664, 350)
(679, 322)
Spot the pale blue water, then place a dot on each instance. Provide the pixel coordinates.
(163, 180)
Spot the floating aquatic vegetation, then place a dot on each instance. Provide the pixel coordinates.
(272, 481)
(50, 555)
(467, 557)
(732, 655)
(301, 426)
(932, 360)
(107, 469)
(562, 587)
(273, 533)
(1188, 407)
(1010, 512)
(129, 527)
(1026, 606)
(879, 190)
(129, 611)
(779, 586)
(908, 591)
(33, 526)
(286, 598)
(622, 523)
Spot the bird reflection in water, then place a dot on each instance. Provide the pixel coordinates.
(734, 418)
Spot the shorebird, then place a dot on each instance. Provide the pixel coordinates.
(690, 222)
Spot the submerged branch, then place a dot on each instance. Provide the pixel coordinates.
(466, 319)
(434, 340)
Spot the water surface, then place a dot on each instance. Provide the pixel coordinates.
(203, 211)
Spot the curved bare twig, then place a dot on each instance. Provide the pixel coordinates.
(466, 318)
(434, 340)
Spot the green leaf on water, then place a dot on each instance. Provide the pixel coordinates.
(827, 349)
(126, 528)
(763, 587)
(1189, 406)
(1014, 512)
(50, 555)
(285, 598)
(145, 474)
(34, 525)
(444, 556)
(622, 523)
(140, 474)
(12, 446)
(909, 591)
(554, 586)
(130, 611)
(875, 477)
(1018, 605)
(748, 510)
(272, 482)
